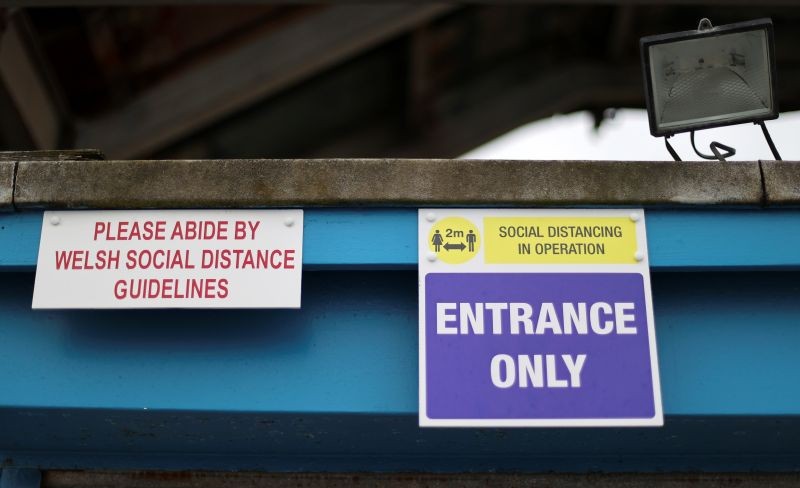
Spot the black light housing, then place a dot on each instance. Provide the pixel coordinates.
(710, 77)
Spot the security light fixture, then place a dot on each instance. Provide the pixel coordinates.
(710, 77)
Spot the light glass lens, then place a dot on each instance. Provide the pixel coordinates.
(710, 80)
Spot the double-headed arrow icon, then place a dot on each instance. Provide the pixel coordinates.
(460, 246)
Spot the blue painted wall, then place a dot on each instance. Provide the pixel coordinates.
(727, 346)
(387, 238)
(334, 385)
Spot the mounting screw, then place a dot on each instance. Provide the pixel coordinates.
(430, 216)
(55, 220)
(635, 217)
(288, 222)
(431, 256)
(639, 255)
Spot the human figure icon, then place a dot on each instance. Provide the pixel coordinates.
(437, 241)
(471, 238)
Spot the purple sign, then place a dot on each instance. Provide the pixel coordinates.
(538, 349)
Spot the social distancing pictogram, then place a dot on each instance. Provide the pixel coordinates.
(454, 240)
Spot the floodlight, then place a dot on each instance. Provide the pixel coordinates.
(710, 77)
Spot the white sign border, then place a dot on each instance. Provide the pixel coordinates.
(290, 217)
(476, 265)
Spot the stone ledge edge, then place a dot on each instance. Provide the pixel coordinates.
(248, 183)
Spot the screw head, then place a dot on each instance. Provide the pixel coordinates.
(55, 220)
(430, 216)
(431, 256)
(635, 217)
(639, 256)
(288, 222)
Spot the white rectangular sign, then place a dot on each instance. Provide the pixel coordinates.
(170, 259)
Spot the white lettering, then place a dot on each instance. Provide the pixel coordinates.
(575, 318)
(497, 318)
(442, 317)
(574, 368)
(623, 318)
(548, 319)
(552, 318)
(471, 319)
(552, 377)
(532, 371)
(520, 313)
(604, 327)
(510, 376)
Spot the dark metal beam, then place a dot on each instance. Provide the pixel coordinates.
(561, 89)
(31, 115)
(493, 104)
(206, 479)
(252, 72)
(87, 3)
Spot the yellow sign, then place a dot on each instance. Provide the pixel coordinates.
(555, 240)
(455, 240)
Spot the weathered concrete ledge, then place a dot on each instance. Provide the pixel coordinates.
(781, 182)
(9, 160)
(6, 186)
(52, 155)
(373, 182)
